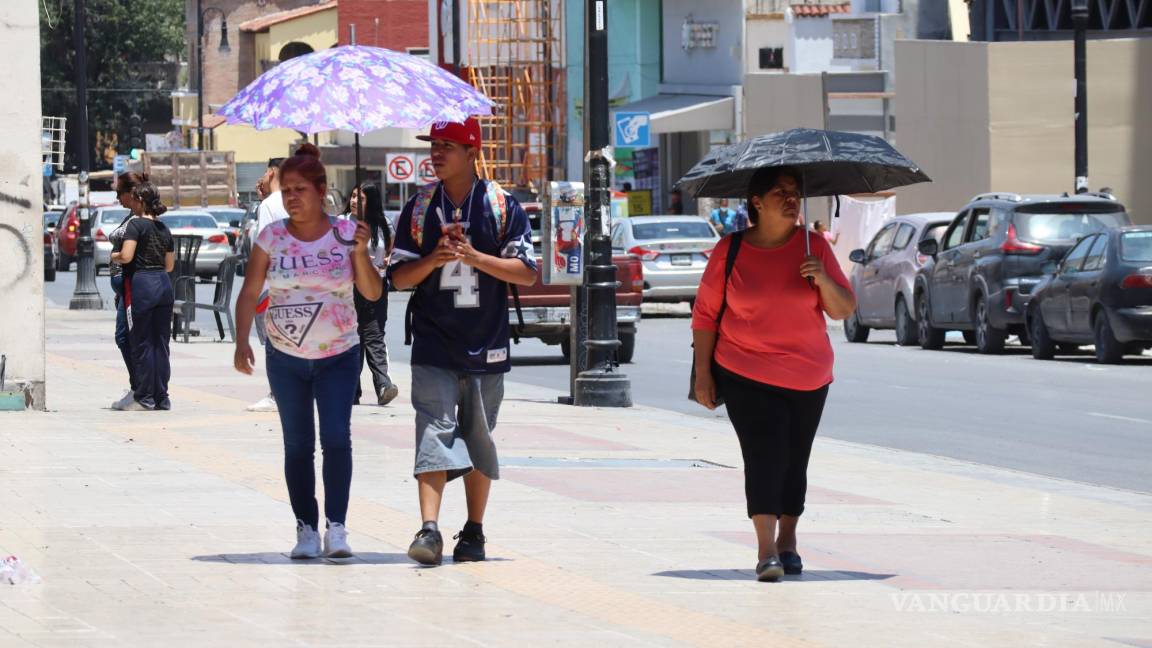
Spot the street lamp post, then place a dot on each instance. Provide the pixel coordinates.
(1080, 54)
(600, 384)
(201, 13)
(85, 296)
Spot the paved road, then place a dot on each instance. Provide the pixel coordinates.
(1069, 418)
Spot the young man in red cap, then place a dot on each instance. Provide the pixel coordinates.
(459, 243)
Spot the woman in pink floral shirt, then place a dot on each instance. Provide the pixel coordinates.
(311, 263)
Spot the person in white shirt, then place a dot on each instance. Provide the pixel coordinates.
(271, 209)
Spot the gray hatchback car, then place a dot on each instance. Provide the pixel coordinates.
(884, 274)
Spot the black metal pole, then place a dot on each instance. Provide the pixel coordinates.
(600, 384)
(1080, 47)
(199, 75)
(85, 296)
(356, 136)
(456, 36)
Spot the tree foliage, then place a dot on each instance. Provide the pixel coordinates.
(133, 48)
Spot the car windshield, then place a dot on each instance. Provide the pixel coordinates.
(934, 232)
(189, 221)
(1065, 228)
(673, 230)
(50, 218)
(226, 217)
(112, 216)
(1136, 246)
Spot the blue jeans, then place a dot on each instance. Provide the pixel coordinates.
(150, 297)
(330, 383)
(122, 329)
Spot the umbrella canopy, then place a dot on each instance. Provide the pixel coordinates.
(831, 162)
(354, 88)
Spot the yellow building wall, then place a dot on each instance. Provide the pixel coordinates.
(253, 145)
(318, 31)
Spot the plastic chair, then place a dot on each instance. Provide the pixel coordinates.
(183, 275)
(221, 300)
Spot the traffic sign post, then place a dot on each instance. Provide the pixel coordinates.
(400, 168)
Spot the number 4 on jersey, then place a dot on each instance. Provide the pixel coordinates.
(461, 278)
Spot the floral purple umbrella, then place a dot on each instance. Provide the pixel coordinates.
(354, 88)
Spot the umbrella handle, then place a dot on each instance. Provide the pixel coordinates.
(807, 241)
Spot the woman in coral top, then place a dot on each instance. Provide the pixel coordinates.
(770, 355)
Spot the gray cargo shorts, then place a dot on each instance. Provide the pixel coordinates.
(455, 415)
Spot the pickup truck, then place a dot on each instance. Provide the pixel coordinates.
(546, 309)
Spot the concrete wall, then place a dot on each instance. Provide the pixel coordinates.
(998, 117)
(21, 223)
(402, 23)
(720, 65)
(778, 102)
(764, 31)
(811, 47)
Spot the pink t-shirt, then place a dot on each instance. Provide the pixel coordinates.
(774, 331)
(310, 313)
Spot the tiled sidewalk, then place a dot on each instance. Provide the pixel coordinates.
(609, 528)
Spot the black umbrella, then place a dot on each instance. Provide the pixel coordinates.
(832, 163)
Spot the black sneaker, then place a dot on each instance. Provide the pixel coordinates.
(427, 548)
(470, 547)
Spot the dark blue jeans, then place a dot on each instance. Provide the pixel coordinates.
(150, 297)
(330, 383)
(122, 329)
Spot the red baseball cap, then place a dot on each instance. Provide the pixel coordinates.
(466, 133)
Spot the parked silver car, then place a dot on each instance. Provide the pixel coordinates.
(213, 248)
(104, 220)
(885, 274)
(673, 249)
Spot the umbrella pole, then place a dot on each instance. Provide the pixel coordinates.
(804, 219)
(356, 146)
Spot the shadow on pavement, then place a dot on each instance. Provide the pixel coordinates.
(524, 361)
(748, 574)
(275, 558)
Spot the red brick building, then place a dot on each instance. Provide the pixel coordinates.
(400, 25)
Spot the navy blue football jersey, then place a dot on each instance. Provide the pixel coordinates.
(459, 314)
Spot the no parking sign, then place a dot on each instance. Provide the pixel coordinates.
(425, 172)
(401, 168)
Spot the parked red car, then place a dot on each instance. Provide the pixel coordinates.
(68, 233)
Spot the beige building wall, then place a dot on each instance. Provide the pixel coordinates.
(777, 102)
(999, 117)
(317, 30)
(21, 199)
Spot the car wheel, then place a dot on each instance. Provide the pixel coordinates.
(854, 331)
(627, 347)
(63, 262)
(566, 350)
(931, 338)
(1043, 348)
(969, 337)
(1108, 349)
(50, 273)
(906, 331)
(989, 340)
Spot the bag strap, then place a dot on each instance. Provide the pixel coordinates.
(419, 209)
(729, 263)
(519, 314)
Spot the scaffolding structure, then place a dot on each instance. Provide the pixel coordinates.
(516, 57)
(52, 131)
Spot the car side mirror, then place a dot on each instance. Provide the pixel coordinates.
(1050, 267)
(928, 247)
(234, 223)
(857, 256)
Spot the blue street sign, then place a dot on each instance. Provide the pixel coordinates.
(119, 164)
(633, 129)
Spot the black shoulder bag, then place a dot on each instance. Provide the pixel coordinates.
(729, 263)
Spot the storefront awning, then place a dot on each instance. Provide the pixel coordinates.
(682, 113)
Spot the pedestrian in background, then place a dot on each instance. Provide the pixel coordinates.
(365, 203)
(762, 331)
(822, 229)
(148, 254)
(270, 210)
(459, 243)
(726, 220)
(675, 202)
(311, 262)
(126, 186)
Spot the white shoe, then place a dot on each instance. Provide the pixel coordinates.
(307, 542)
(266, 404)
(127, 398)
(336, 541)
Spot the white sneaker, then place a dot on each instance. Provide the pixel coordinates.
(336, 541)
(266, 404)
(127, 398)
(307, 542)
